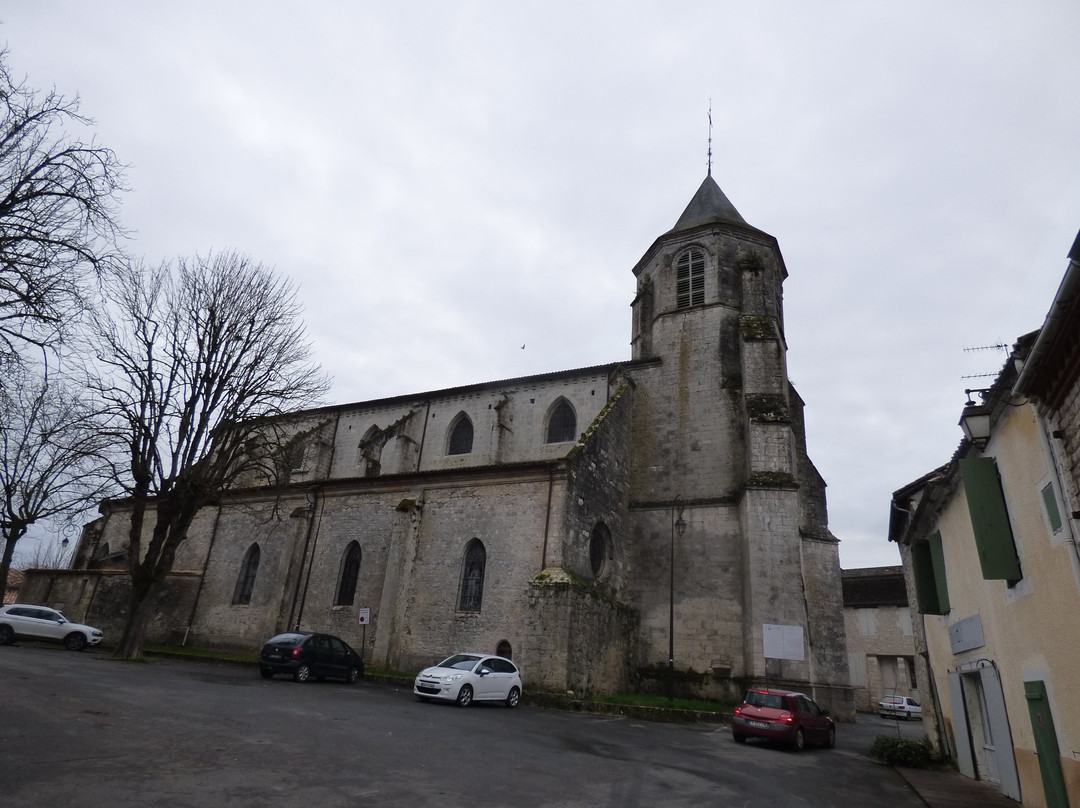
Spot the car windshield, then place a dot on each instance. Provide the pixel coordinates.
(756, 698)
(286, 639)
(461, 662)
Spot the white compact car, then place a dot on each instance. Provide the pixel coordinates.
(22, 621)
(465, 678)
(900, 707)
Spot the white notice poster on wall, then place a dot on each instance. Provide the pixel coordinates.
(782, 642)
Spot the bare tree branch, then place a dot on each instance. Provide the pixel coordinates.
(58, 214)
(53, 457)
(198, 362)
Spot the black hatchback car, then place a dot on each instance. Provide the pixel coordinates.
(303, 656)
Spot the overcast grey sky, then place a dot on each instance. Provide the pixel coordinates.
(449, 180)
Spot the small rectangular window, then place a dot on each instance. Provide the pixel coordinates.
(1053, 514)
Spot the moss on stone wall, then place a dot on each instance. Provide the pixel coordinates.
(750, 262)
(558, 577)
(768, 407)
(771, 479)
(757, 327)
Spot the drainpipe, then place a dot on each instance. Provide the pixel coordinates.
(423, 434)
(310, 496)
(202, 578)
(547, 518)
(314, 545)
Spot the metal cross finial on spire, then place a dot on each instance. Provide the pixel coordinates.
(710, 138)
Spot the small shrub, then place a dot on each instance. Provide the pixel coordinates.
(902, 752)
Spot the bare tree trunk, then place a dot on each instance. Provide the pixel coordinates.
(11, 537)
(140, 610)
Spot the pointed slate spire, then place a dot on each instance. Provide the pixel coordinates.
(708, 205)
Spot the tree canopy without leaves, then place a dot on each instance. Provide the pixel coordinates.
(52, 457)
(198, 360)
(58, 226)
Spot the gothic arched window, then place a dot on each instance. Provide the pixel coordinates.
(690, 278)
(461, 434)
(562, 423)
(350, 573)
(245, 582)
(472, 577)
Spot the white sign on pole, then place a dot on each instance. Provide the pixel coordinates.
(783, 642)
(365, 616)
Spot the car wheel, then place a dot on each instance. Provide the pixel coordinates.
(830, 739)
(513, 697)
(354, 675)
(302, 674)
(75, 641)
(423, 698)
(739, 738)
(7, 636)
(800, 740)
(464, 696)
(265, 673)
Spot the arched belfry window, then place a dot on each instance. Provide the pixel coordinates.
(690, 278)
(461, 434)
(562, 423)
(245, 582)
(472, 577)
(350, 573)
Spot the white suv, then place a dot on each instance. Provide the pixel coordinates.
(19, 620)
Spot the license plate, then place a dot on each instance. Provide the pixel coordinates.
(760, 724)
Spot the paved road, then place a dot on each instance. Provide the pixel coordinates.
(78, 730)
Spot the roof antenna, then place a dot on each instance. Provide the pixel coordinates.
(710, 138)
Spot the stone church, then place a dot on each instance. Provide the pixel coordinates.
(601, 525)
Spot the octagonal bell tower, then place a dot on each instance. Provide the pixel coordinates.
(719, 438)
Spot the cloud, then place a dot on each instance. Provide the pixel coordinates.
(447, 182)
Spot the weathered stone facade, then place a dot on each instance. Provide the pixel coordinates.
(577, 527)
(880, 636)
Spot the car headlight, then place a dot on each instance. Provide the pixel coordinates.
(453, 677)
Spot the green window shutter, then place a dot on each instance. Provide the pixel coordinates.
(927, 589)
(937, 559)
(1050, 503)
(990, 519)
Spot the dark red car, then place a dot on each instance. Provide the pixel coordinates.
(782, 715)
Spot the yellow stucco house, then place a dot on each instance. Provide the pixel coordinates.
(989, 545)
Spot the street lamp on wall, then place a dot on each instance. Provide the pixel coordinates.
(975, 420)
(678, 526)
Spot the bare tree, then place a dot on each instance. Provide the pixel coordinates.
(58, 225)
(53, 458)
(199, 359)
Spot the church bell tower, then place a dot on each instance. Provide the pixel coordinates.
(719, 442)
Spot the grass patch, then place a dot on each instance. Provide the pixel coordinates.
(201, 653)
(654, 700)
(375, 670)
